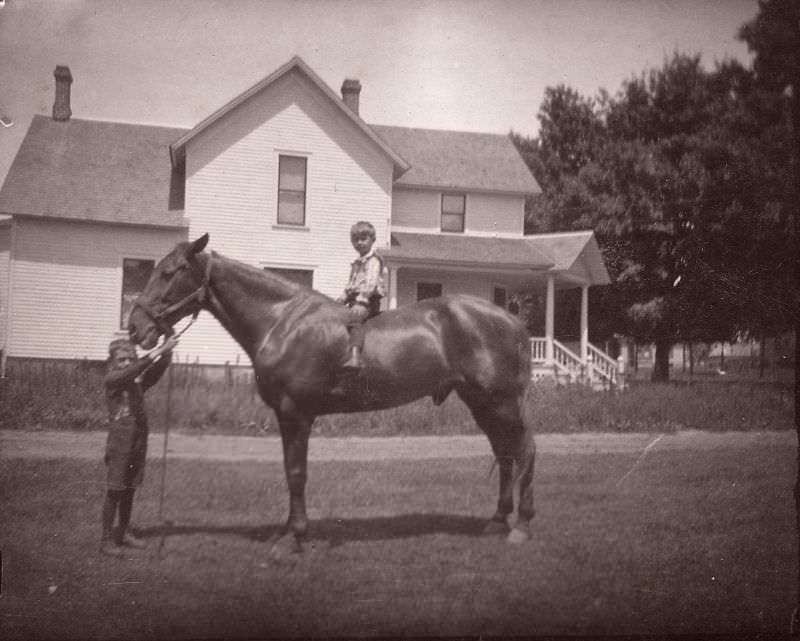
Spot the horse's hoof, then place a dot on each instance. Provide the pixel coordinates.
(286, 548)
(495, 528)
(518, 535)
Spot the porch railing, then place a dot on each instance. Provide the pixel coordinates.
(602, 364)
(538, 350)
(567, 361)
(598, 368)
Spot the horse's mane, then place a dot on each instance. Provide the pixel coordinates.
(263, 278)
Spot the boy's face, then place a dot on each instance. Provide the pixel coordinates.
(122, 358)
(362, 242)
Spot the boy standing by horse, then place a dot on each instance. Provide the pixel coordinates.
(364, 290)
(127, 380)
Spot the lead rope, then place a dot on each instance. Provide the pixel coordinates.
(167, 421)
(166, 524)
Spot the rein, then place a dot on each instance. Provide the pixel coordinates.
(200, 295)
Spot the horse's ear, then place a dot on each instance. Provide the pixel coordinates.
(200, 244)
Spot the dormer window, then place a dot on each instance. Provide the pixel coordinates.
(453, 212)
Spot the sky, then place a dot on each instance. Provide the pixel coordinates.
(470, 65)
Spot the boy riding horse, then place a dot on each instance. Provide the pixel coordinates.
(364, 290)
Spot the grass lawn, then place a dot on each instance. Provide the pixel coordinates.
(681, 543)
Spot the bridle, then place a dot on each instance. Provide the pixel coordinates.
(201, 294)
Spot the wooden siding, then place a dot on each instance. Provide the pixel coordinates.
(68, 282)
(5, 247)
(453, 282)
(231, 192)
(487, 214)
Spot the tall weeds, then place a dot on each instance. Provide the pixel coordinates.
(69, 396)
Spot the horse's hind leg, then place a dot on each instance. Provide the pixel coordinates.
(503, 453)
(512, 442)
(525, 456)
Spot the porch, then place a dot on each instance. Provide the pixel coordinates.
(582, 363)
(505, 270)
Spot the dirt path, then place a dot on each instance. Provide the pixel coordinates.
(90, 445)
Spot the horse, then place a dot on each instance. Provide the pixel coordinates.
(297, 341)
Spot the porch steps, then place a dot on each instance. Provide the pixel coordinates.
(565, 367)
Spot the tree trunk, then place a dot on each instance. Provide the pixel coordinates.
(661, 364)
(691, 360)
(762, 356)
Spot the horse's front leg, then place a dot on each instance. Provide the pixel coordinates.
(295, 430)
(505, 502)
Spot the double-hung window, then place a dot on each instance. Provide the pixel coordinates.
(135, 274)
(453, 212)
(292, 176)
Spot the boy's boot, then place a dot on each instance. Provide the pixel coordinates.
(108, 546)
(354, 364)
(129, 540)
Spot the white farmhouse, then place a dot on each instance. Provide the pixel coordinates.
(277, 177)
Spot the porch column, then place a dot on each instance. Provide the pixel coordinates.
(549, 319)
(584, 323)
(392, 287)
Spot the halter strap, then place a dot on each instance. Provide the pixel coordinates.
(201, 294)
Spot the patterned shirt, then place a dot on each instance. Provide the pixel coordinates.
(366, 279)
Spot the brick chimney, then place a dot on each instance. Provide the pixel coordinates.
(61, 107)
(351, 89)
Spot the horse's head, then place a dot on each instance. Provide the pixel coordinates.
(177, 288)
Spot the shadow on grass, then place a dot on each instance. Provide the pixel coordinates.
(337, 531)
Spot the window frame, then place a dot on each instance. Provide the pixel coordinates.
(288, 224)
(123, 319)
(284, 268)
(443, 213)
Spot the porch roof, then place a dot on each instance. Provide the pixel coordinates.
(576, 255)
(461, 250)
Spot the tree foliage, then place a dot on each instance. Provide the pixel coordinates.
(681, 176)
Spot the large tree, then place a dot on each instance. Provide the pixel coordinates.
(670, 173)
(774, 37)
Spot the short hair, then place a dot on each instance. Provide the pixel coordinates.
(362, 227)
(120, 345)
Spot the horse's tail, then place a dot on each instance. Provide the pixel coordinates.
(526, 402)
(525, 454)
(526, 413)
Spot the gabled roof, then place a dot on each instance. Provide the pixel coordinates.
(573, 254)
(94, 171)
(446, 249)
(178, 148)
(460, 160)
